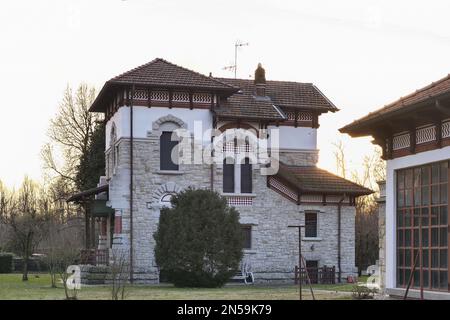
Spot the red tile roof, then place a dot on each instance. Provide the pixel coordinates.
(160, 72)
(404, 104)
(241, 101)
(299, 95)
(312, 179)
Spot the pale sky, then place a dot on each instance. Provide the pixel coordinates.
(361, 54)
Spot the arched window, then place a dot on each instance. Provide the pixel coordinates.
(167, 146)
(246, 176)
(228, 175)
(165, 200)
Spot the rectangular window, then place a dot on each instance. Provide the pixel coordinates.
(422, 226)
(228, 176)
(247, 230)
(167, 145)
(246, 176)
(311, 224)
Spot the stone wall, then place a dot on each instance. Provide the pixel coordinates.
(382, 234)
(274, 251)
(300, 158)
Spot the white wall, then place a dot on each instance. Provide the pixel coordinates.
(300, 138)
(393, 165)
(144, 117)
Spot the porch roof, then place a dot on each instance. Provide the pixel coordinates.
(313, 180)
(81, 195)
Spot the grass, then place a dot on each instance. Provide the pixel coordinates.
(38, 288)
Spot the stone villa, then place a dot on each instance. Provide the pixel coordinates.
(144, 106)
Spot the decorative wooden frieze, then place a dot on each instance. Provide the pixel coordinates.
(302, 116)
(401, 141)
(445, 130)
(311, 198)
(425, 134)
(180, 97)
(160, 96)
(280, 187)
(201, 98)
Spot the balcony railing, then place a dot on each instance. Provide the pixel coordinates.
(423, 135)
(95, 257)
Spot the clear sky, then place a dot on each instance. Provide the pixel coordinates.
(361, 54)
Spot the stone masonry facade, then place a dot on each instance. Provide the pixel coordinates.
(274, 252)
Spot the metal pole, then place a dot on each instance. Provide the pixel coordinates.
(300, 276)
(235, 59)
(299, 258)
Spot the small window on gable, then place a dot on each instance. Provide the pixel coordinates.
(167, 146)
(311, 224)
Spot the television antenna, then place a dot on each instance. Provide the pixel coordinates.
(237, 45)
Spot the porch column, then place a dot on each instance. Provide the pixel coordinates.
(118, 235)
(102, 237)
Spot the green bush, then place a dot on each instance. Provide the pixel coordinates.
(360, 292)
(199, 240)
(6, 262)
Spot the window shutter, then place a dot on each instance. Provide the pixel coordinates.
(166, 147)
(246, 177)
(228, 177)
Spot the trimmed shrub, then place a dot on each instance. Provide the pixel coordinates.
(199, 240)
(6, 262)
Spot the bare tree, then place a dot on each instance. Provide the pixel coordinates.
(70, 132)
(26, 220)
(6, 203)
(366, 220)
(66, 256)
(63, 248)
(339, 155)
(119, 270)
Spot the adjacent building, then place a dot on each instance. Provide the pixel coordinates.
(414, 134)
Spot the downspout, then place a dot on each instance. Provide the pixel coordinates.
(339, 237)
(131, 182)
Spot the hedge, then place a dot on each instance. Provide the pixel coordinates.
(6, 263)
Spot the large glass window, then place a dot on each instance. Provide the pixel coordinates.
(422, 226)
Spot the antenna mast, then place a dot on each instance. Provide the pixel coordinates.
(234, 67)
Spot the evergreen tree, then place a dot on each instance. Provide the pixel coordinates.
(92, 161)
(199, 240)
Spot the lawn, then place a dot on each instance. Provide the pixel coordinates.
(38, 288)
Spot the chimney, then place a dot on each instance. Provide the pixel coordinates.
(260, 81)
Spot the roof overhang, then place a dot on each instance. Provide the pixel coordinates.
(81, 196)
(400, 119)
(99, 104)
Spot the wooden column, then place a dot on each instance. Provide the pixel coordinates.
(390, 148)
(149, 98)
(191, 101)
(412, 140)
(438, 124)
